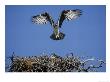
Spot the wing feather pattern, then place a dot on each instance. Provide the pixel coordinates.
(42, 19)
(69, 15)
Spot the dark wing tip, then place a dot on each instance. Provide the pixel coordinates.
(45, 14)
(34, 16)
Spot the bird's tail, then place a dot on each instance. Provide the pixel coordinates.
(61, 36)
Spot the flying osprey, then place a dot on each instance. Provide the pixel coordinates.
(65, 14)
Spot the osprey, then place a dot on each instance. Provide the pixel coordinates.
(65, 14)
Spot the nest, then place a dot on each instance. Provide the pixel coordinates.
(52, 63)
(61, 36)
(44, 64)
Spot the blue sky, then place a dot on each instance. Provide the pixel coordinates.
(85, 36)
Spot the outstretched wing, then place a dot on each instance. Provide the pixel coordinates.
(69, 15)
(42, 19)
